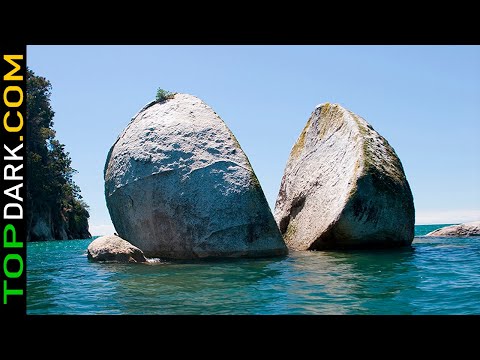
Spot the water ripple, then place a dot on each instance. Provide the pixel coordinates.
(435, 276)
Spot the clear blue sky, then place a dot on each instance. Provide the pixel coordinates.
(425, 100)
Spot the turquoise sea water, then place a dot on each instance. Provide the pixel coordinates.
(434, 276)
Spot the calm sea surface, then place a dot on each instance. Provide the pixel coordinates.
(434, 276)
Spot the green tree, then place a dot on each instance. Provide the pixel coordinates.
(163, 95)
(52, 195)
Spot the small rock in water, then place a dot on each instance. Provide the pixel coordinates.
(115, 249)
(465, 229)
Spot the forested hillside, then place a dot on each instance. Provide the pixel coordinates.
(55, 209)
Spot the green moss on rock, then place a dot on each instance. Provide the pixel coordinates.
(291, 230)
(300, 144)
(331, 119)
(254, 180)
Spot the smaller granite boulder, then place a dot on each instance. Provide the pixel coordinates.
(115, 249)
(461, 230)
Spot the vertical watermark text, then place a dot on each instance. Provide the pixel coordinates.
(13, 165)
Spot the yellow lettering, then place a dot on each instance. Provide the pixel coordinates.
(10, 76)
(16, 103)
(13, 128)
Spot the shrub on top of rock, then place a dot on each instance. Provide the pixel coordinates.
(163, 95)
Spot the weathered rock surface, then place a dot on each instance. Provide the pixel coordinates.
(343, 187)
(178, 185)
(115, 249)
(466, 229)
(44, 226)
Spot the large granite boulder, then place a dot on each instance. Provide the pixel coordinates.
(178, 185)
(343, 187)
(115, 249)
(461, 230)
